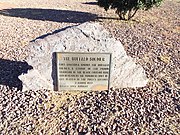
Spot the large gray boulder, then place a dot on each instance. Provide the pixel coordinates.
(87, 37)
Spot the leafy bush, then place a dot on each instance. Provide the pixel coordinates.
(126, 9)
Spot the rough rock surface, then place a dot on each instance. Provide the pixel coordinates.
(87, 37)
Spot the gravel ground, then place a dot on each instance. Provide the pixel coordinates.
(152, 38)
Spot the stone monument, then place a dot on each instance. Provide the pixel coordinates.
(85, 38)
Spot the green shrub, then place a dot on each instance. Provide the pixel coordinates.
(126, 9)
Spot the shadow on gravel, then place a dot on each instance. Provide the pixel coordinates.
(10, 70)
(91, 3)
(49, 15)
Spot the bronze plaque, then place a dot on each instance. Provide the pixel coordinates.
(83, 71)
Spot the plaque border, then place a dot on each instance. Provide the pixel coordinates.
(56, 87)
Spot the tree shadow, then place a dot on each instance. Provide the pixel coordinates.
(118, 19)
(10, 70)
(54, 32)
(49, 15)
(109, 18)
(91, 3)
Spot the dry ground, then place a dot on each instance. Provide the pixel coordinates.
(152, 38)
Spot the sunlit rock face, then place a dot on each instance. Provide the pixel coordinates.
(87, 37)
